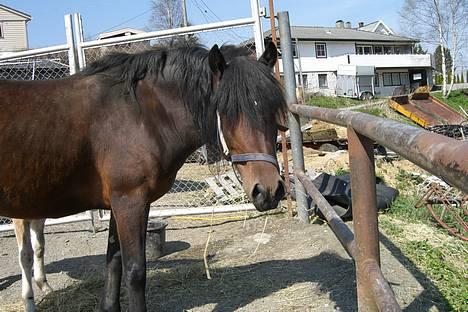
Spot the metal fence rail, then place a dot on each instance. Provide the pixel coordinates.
(440, 155)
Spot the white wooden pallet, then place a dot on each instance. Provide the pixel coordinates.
(226, 187)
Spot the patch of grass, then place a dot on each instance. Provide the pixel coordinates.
(404, 208)
(342, 171)
(443, 263)
(456, 99)
(390, 228)
(333, 102)
(448, 278)
(375, 111)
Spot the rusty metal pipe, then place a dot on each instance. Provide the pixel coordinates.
(381, 290)
(364, 202)
(442, 156)
(341, 230)
(363, 196)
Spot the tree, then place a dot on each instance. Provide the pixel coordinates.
(442, 23)
(169, 14)
(418, 49)
(438, 60)
(166, 14)
(458, 16)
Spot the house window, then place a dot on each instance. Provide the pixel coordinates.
(395, 79)
(303, 82)
(1, 31)
(388, 49)
(364, 50)
(323, 83)
(387, 79)
(321, 50)
(376, 80)
(378, 50)
(404, 79)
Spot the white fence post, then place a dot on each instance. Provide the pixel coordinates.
(257, 28)
(78, 28)
(71, 44)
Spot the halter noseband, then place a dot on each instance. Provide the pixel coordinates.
(242, 158)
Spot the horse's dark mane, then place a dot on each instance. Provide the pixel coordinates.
(241, 90)
(248, 87)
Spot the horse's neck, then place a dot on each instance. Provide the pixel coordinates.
(171, 121)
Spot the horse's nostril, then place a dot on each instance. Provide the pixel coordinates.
(280, 191)
(256, 191)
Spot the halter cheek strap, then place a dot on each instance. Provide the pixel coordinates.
(242, 158)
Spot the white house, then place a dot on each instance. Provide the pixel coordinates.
(320, 51)
(13, 30)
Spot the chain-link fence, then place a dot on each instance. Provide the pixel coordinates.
(49, 66)
(204, 180)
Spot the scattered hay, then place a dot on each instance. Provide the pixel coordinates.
(78, 297)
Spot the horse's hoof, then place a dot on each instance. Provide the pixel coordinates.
(29, 305)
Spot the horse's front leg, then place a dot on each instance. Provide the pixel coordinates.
(23, 238)
(111, 300)
(131, 215)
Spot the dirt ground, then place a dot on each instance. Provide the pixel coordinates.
(295, 268)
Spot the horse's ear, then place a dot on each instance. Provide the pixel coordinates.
(270, 55)
(216, 61)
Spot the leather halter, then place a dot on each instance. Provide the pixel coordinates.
(242, 158)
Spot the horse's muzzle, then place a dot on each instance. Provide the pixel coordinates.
(265, 198)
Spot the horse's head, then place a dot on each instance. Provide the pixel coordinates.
(249, 103)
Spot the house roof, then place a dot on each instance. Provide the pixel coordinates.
(119, 32)
(16, 12)
(341, 34)
(370, 27)
(373, 27)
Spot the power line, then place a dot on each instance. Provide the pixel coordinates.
(201, 10)
(120, 24)
(216, 16)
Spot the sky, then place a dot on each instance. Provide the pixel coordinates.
(47, 25)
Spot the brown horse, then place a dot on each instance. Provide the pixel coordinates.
(115, 135)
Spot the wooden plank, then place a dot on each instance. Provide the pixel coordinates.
(226, 183)
(235, 180)
(212, 182)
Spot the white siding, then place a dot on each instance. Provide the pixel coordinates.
(340, 48)
(313, 84)
(8, 16)
(14, 36)
(307, 48)
(14, 32)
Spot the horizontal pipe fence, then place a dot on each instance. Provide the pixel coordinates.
(443, 156)
(440, 155)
